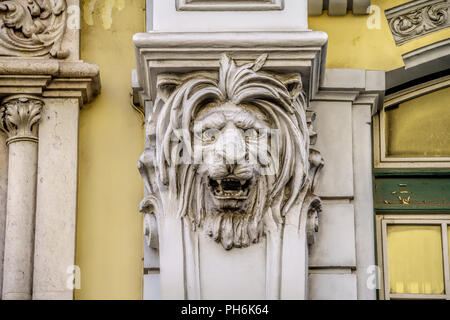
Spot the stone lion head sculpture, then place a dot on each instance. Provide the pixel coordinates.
(232, 150)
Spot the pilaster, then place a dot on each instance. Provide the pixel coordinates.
(19, 116)
(42, 81)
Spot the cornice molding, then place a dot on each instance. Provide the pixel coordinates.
(360, 87)
(420, 56)
(416, 19)
(303, 52)
(49, 78)
(421, 63)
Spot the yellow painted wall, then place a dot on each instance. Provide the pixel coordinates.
(353, 45)
(109, 232)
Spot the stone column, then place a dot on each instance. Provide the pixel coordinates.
(19, 118)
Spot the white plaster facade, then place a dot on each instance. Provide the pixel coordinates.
(343, 255)
(205, 17)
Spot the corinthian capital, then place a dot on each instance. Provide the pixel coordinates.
(19, 116)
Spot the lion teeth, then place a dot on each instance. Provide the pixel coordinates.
(230, 188)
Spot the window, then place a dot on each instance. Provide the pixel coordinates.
(412, 129)
(414, 254)
(418, 128)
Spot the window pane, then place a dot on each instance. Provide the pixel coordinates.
(415, 259)
(419, 127)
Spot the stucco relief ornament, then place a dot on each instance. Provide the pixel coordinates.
(19, 116)
(33, 27)
(230, 153)
(420, 21)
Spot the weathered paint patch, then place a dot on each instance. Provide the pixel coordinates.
(424, 192)
(106, 11)
(88, 11)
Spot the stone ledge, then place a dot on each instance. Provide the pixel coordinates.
(161, 52)
(49, 78)
(355, 85)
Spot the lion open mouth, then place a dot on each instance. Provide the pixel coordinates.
(230, 188)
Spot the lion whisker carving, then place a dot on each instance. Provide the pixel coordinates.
(232, 150)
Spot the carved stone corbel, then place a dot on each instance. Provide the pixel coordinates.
(216, 191)
(229, 158)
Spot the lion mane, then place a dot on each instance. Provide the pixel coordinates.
(278, 96)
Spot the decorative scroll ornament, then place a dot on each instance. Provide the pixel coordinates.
(230, 152)
(151, 231)
(19, 116)
(418, 20)
(33, 27)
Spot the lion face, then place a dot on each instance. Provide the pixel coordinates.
(233, 142)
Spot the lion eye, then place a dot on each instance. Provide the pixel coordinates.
(253, 134)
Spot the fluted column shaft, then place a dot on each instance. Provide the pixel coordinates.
(19, 117)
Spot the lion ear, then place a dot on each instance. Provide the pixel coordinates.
(293, 84)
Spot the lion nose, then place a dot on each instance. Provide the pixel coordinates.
(233, 146)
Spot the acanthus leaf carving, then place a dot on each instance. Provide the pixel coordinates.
(231, 152)
(33, 27)
(418, 20)
(19, 116)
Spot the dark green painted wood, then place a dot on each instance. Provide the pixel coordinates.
(411, 172)
(417, 193)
